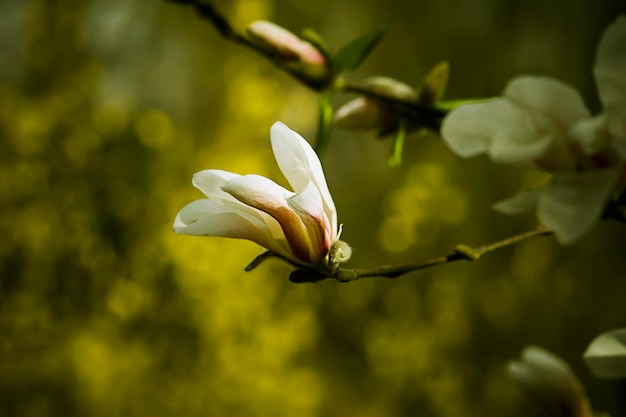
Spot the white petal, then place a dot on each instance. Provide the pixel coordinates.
(549, 381)
(553, 98)
(499, 127)
(300, 164)
(606, 355)
(264, 194)
(210, 182)
(209, 218)
(590, 135)
(610, 71)
(546, 362)
(572, 203)
(521, 202)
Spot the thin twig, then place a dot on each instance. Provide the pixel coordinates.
(207, 11)
(461, 252)
(420, 115)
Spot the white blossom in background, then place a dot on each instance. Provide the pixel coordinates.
(299, 225)
(606, 354)
(542, 123)
(550, 383)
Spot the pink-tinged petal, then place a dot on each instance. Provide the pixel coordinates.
(284, 42)
(210, 182)
(498, 127)
(572, 203)
(300, 165)
(520, 203)
(610, 72)
(308, 205)
(553, 98)
(209, 218)
(265, 195)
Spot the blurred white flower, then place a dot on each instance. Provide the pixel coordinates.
(606, 354)
(299, 226)
(284, 43)
(550, 383)
(543, 123)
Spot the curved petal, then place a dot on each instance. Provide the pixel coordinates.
(606, 355)
(300, 164)
(550, 382)
(209, 218)
(210, 182)
(264, 194)
(520, 203)
(553, 98)
(498, 127)
(610, 72)
(572, 203)
(308, 204)
(284, 42)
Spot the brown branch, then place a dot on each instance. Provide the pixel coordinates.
(461, 252)
(207, 11)
(421, 115)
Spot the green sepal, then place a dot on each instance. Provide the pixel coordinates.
(395, 157)
(314, 38)
(449, 105)
(353, 54)
(324, 122)
(434, 84)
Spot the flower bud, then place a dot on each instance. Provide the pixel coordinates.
(391, 88)
(360, 113)
(340, 252)
(368, 113)
(550, 383)
(284, 43)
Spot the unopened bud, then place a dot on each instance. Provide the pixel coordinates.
(284, 43)
(360, 113)
(339, 253)
(550, 383)
(389, 87)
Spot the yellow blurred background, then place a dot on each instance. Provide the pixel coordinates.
(107, 108)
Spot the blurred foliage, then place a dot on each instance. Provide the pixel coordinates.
(106, 110)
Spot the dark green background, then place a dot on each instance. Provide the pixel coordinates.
(108, 107)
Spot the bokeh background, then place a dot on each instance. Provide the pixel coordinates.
(107, 108)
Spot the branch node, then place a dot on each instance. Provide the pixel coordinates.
(467, 252)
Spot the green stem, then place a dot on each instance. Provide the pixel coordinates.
(324, 122)
(395, 157)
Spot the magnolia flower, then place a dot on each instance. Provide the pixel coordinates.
(542, 123)
(284, 43)
(299, 226)
(548, 381)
